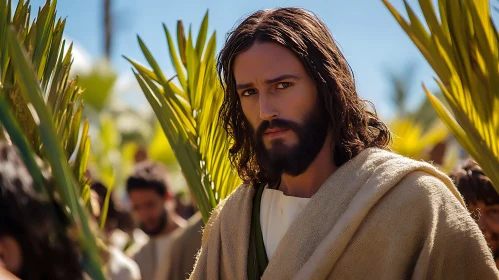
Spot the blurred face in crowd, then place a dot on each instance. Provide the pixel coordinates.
(149, 209)
(10, 254)
(487, 217)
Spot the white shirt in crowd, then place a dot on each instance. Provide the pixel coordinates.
(121, 267)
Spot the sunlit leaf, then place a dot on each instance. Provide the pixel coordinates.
(44, 109)
(466, 64)
(201, 146)
(66, 184)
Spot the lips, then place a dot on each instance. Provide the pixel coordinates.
(275, 132)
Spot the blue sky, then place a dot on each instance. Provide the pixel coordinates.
(370, 38)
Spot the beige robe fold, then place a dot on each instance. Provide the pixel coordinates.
(379, 216)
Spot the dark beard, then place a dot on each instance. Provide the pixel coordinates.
(292, 160)
(155, 231)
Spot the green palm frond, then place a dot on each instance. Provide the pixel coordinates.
(13, 129)
(42, 38)
(461, 46)
(41, 112)
(188, 113)
(66, 185)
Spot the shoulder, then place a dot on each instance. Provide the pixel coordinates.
(140, 239)
(424, 206)
(432, 199)
(433, 190)
(185, 236)
(239, 201)
(451, 234)
(415, 179)
(242, 194)
(122, 266)
(141, 251)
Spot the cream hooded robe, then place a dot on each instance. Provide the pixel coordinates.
(378, 216)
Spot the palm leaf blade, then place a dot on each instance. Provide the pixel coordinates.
(468, 42)
(64, 181)
(201, 149)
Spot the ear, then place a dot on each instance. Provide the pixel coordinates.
(168, 196)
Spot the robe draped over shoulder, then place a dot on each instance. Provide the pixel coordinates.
(378, 216)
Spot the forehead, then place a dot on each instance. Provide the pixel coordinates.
(266, 60)
(138, 195)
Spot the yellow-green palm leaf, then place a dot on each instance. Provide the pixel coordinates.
(411, 140)
(51, 64)
(461, 46)
(41, 114)
(188, 113)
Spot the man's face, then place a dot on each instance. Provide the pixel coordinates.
(280, 101)
(149, 208)
(487, 217)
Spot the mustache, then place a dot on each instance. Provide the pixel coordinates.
(276, 123)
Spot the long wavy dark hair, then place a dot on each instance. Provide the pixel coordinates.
(354, 121)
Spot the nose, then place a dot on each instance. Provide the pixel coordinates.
(267, 109)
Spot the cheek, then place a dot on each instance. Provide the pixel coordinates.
(301, 99)
(157, 212)
(494, 226)
(251, 111)
(143, 213)
(11, 254)
(150, 213)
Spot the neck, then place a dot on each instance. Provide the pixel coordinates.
(310, 181)
(174, 222)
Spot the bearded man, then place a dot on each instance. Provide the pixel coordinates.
(149, 195)
(323, 197)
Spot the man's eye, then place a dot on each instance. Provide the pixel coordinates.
(248, 92)
(283, 85)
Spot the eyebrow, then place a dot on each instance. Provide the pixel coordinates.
(270, 81)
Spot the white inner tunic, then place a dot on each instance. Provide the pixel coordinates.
(277, 213)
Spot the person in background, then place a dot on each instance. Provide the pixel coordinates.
(34, 231)
(117, 265)
(186, 242)
(482, 201)
(119, 225)
(148, 191)
(183, 209)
